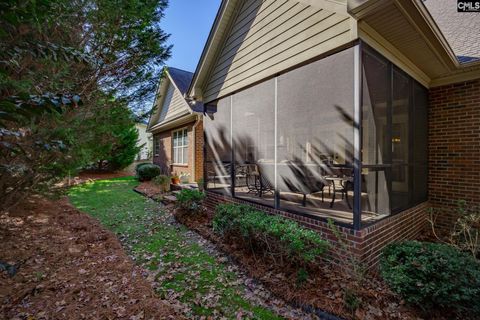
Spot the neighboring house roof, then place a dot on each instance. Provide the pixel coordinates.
(461, 29)
(171, 106)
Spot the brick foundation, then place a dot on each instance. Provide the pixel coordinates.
(454, 147)
(366, 244)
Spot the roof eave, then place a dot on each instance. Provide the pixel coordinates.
(209, 49)
(180, 120)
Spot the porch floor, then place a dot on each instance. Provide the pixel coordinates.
(314, 206)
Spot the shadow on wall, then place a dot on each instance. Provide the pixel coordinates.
(161, 158)
(296, 173)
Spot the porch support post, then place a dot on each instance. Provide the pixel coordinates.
(277, 193)
(232, 157)
(357, 137)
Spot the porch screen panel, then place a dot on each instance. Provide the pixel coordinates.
(315, 136)
(420, 154)
(253, 132)
(394, 142)
(401, 133)
(376, 151)
(218, 160)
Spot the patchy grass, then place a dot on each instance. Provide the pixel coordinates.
(185, 272)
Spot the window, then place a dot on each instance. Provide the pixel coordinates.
(180, 146)
(156, 146)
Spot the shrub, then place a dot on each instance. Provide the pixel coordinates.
(138, 166)
(163, 181)
(272, 235)
(147, 172)
(432, 275)
(190, 200)
(465, 232)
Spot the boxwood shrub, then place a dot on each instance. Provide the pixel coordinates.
(282, 239)
(140, 165)
(432, 275)
(147, 171)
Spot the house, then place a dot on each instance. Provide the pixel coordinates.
(366, 112)
(177, 127)
(144, 140)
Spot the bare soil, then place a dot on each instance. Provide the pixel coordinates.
(69, 267)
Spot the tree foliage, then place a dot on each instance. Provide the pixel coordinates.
(70, 74)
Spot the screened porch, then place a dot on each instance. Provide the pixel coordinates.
(343, 137)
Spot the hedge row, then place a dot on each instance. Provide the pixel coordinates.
(282, 239)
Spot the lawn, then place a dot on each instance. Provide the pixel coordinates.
(185, 272)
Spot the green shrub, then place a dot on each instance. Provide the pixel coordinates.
(163, 181)
(147, 171)
(190, 200)
(140, 165)
(432, 275)
(273, 235)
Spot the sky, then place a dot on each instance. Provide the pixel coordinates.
(188, 22)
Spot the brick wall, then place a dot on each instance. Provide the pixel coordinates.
(454, 147)
(366, 244)
(164, 158)
(163, 155)
(199, 145)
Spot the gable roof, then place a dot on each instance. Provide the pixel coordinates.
(181, 78)
(254, 39)
(414, 38)
(170, 105)
(460, 29)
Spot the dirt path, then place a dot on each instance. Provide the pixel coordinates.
(69, 267)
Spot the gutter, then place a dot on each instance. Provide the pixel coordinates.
(171, 123)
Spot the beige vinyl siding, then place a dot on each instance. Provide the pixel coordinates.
(269, 36)
(173, 106)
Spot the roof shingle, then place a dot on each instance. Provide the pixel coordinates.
(461, 29)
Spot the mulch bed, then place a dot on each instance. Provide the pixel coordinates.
(324, 288)
(149, 189)
(69, 267)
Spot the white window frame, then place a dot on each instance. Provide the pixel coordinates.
(156, 146)
(181, 146)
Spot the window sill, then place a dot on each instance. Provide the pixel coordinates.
(180, 164)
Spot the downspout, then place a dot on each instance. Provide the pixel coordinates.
(197, 122)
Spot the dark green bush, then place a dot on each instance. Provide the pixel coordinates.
(138, 166)
(432, 275)
(282, 239)
(147, 171)
(190, 200)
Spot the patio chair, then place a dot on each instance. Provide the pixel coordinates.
(251, 179)
(296, 178)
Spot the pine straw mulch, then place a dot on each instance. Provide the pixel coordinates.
(324, 288)
(69, 267)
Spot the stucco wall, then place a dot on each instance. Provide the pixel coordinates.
(145, 139)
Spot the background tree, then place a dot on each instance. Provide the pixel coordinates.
(109, 53)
